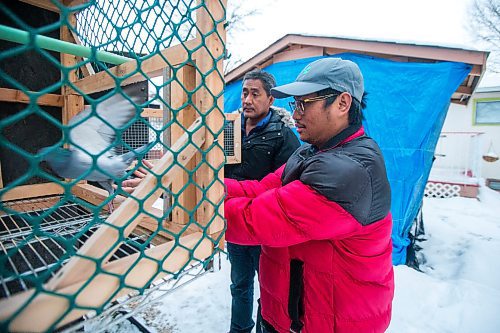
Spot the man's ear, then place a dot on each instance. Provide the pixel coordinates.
(345, 100)
(271, 99)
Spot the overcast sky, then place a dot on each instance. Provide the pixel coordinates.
(435, 22)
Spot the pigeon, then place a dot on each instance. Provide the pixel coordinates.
(92, 137)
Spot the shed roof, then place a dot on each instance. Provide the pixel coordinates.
(297, 46)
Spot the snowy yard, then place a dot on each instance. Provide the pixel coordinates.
(458, 290)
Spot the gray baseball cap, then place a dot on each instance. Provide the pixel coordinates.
(336, 73)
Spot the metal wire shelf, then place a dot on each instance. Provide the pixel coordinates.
(33, 242)
(31, 252)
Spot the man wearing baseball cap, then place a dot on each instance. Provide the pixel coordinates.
(323, 218)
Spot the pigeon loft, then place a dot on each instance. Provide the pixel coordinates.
(65, 258)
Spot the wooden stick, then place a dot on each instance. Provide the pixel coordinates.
(43, 310)
(17, 96)
(95, 195)
(31, 191)
(103, 243)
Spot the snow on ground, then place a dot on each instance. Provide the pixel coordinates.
(458, 290)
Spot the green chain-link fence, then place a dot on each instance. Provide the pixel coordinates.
(86, 87)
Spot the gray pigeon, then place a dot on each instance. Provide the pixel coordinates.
(92, 137)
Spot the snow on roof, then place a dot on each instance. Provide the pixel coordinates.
(488, 89)
(398, 41)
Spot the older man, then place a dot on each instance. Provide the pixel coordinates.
(267, 143)
(323, 219)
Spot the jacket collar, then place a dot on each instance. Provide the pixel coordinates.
(260, 125)
(348, 134)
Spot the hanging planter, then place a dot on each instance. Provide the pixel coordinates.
(490, 156)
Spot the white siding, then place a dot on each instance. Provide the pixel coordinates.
(460, 119)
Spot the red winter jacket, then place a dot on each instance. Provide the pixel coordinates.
(324, 225)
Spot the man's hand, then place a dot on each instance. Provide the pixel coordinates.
(129, 185)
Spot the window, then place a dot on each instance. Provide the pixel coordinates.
(487, 111)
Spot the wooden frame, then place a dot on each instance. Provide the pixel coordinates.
(235, 118)
(39, 310)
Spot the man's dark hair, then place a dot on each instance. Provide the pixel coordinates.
(267, 79)
(356, 109)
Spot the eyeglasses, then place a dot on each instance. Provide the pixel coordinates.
(299, 105)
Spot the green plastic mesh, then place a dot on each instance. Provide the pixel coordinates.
(62, 253)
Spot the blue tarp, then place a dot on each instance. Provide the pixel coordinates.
(406, 108)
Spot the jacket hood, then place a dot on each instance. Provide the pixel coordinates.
(285, 116)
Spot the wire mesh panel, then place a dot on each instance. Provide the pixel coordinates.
(155, 127)
(68, 247)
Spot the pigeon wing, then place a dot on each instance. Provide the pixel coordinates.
(95, 130)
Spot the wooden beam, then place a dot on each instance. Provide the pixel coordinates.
(95, 195)
(73, 104)
(298, 53)
(464, 90)
(45, 4)
(210, 103)
(104, 242)
(183, 113)
(41, 310)
(31, 191)
(477, 70)
(152, 113)
(173, 56)
(1, 177)
(17, 96)
(174, 228)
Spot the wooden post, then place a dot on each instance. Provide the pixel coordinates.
(186, 198)
(72, 103)
(210, 103)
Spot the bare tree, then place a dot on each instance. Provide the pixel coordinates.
(485, 27)
(236, 18)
